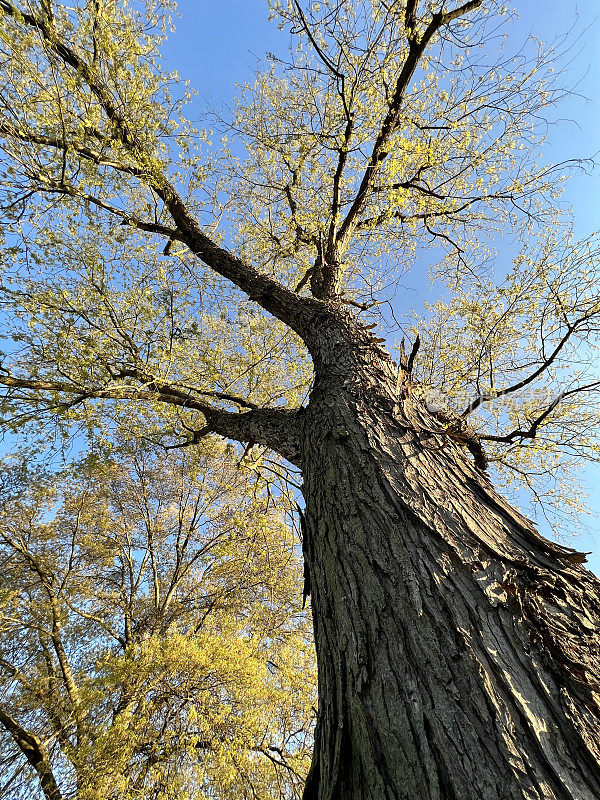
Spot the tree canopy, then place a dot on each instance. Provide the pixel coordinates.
(151, 637)
(391, 137)
(173, 284)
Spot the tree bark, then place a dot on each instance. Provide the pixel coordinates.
(34, 751)
(457, 649)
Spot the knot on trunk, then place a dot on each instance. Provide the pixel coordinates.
(457, 429)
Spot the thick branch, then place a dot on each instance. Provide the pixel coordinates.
(410, 18)
(35, 753)
(302, 236)
(460, 11)
(330, 268)
(278, 429)
(416, 48)
(283, 303)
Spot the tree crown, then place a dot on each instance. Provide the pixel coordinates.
(140, 258)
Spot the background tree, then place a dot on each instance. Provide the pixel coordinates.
(151, 640)
(456, 647)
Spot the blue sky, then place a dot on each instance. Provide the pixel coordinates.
(216, 44)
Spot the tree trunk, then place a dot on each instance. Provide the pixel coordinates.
(457, 649)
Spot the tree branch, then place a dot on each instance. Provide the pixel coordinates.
(416, 48)
(318, 50)
(329, 273)
(89, 153)
(373, 222)
(485, 396)
(127, 219)
(410, 18)
(277, 429)
(285, 304)
(460, 11)
(531, 432)
(35, 753)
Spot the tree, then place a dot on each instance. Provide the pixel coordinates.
(456, 647)
(151, 642)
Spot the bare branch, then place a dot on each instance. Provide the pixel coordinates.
(389, 214)
(486, 396)
(323, 58)
(531, 432)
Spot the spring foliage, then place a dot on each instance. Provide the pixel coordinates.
(153, 273)
(386, 140)
(152, 641)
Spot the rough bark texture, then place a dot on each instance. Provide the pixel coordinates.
(457, 648)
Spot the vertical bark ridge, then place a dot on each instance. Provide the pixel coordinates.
(457, 648)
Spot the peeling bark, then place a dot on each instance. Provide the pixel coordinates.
(457, 648)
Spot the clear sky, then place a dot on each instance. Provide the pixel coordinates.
(217, 44)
